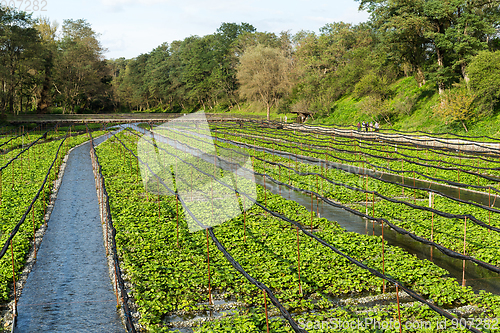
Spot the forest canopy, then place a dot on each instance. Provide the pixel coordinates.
(441, 44)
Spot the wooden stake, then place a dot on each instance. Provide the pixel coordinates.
(177, 209)
(244, 220)
(489, 205)
(265, 306)
(158, 189)
(317, 199)
(312, 212)
(279, 166)
(265, 194)
(366, 195)
(432, 223)
(402, 177)
(414, 189)
(383, 260)
(14, 279)
(298, 261)
(208, 266)
(465, 234)
(373, 204)
(399, 311)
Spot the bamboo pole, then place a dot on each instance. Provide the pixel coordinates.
(465, 235)
(265, 306)
(208, 266)
(298, 260)
(399, 311)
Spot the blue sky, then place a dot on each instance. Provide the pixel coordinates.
(131, 27)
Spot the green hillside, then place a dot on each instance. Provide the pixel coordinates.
(410, 108)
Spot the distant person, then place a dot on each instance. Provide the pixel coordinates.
(285, 118)
(377, 126)
(363, 125)
(359, 126)
(371, 126)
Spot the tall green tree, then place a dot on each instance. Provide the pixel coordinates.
(82, 77)
(484, 73)
(446, 32)
(157, 74)
(48, 51)
(133, 89)
(19, 43)
(330, 64)
(223, 74)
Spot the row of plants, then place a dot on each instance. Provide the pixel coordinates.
(445, 231)
(170, 278)
(350, 178)
(20, 139)
(19, 183)
(361, 155)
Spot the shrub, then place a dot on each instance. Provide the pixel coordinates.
(484, 75)
(457, 106)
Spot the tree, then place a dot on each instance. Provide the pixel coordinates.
(82, 77)
(47, 32)
(19, 43)
(263, 74)
(330, 64)
(117, 69)
(156, 73)
(457, 106)
(133, 90)
(223, 74)
(446, 32)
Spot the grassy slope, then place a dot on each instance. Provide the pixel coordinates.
(347, 111)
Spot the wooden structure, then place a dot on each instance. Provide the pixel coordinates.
(303, 115)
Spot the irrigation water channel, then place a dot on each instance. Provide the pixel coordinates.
(69, 289)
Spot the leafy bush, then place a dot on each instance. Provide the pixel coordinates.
(375, 108)
(372, 84)
(457, 106)
(484, 74)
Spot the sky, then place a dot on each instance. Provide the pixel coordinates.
(129, 28)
